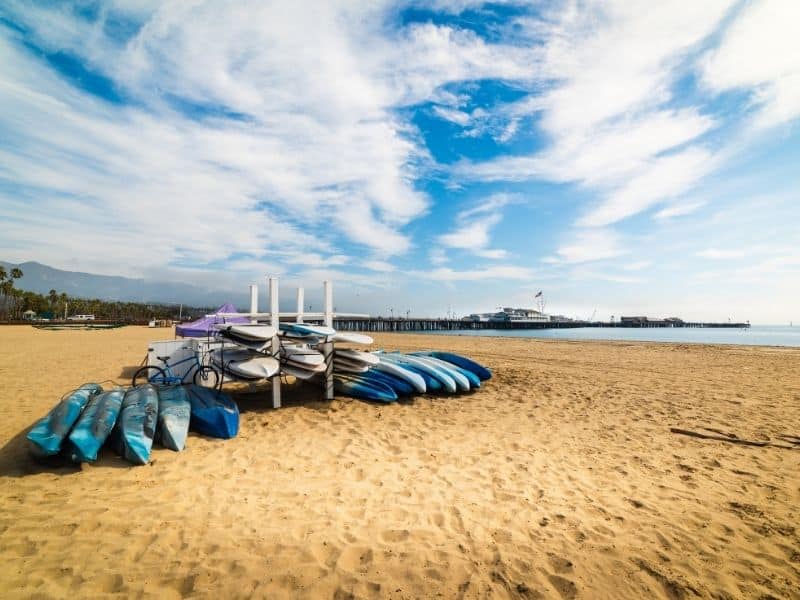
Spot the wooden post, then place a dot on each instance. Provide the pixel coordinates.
(327, 348)
(253, 301)
(274, 309)
(300, 301)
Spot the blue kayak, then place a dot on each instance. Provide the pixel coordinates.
(174, 413)
(465, 363)
(358, 387)
(94, 426)
(48, 435)
(432, 384)
(133, 436)
(214, 413)
(401, 387)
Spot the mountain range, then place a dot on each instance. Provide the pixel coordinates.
(41, 279)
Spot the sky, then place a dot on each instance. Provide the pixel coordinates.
(430, 158)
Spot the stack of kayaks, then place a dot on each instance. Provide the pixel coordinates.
(385, 376)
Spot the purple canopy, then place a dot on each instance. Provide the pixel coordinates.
(205, 326)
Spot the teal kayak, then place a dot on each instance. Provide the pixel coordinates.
(48, 435)
(174, 414)
(136, 427)
(94, 426)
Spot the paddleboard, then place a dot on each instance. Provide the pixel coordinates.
(351, 338)
(306, 330)
(400, 386)
(448, 383)
(413, 378)
(174, 414)
(48, 435)
(303, 356)
(461, 381)
(252, 331)
(250, 344)
(348, 366)
(94, 426)
(357, 387)
(465, 363)
(358, 356)
(299, 372)
(246, 365)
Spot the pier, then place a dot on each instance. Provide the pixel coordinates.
(378, 324)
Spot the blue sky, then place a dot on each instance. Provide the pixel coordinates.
(624, 157)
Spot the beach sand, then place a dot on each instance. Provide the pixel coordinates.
(559, 479)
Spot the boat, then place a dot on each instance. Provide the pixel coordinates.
(48, 435)
(174, 414)
(214, 413)
(94, 426)
(136, 427)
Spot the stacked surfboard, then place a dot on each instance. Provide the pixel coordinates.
(248, 354)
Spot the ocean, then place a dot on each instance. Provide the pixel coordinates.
(757, 335)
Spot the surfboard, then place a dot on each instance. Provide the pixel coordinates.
(351, 338)
(247, 331)
(246, 365)
(357, 356)
(413, 378)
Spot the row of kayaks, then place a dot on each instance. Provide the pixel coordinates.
(388, 376)
(131, 420)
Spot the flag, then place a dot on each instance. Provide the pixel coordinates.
(539, 295)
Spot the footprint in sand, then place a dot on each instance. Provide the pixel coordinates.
(355, 558)
(395, 535)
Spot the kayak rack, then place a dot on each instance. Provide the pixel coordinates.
(274, 315)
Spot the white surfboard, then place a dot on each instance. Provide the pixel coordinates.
(352, 338)
(246, 365)
(358, 356)
(249, 331)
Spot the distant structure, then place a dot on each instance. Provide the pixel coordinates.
(647, 322)
(510, 315)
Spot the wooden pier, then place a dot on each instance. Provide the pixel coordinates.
(379, 324)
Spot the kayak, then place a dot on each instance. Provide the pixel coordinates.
(94, 426)
(214, 413)
(465, 363)
(358, 387)
(136, 427)
(174, 413)
(48, 435)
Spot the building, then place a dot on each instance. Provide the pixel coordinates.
(81, 318)
(511, 315)
(29, 315)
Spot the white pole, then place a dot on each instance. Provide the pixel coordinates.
(274, 309)
(327, 290)
(253, 300)
(300, 301)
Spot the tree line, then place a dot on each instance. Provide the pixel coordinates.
(15, 302)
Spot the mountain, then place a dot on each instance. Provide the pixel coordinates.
(42, 278)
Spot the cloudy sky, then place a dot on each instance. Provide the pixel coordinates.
(621, 156)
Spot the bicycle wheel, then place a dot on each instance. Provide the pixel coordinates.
(149, 374)
(206, 377)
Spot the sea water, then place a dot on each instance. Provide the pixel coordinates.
(757, 335)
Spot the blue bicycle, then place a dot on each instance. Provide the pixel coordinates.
(202, 375)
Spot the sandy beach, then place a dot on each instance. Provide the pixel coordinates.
(559, 479)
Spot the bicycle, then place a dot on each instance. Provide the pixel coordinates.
(204, 375)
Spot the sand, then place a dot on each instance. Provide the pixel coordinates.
(559, 479)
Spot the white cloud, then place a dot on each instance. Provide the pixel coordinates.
(717, 254)
(679, 210)
(379, 265)
(606, 70)
(495, 272)
(760, 52)
(476, 223)
(589, 245)
(319, 154)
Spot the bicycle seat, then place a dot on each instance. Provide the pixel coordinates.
(163, 358)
